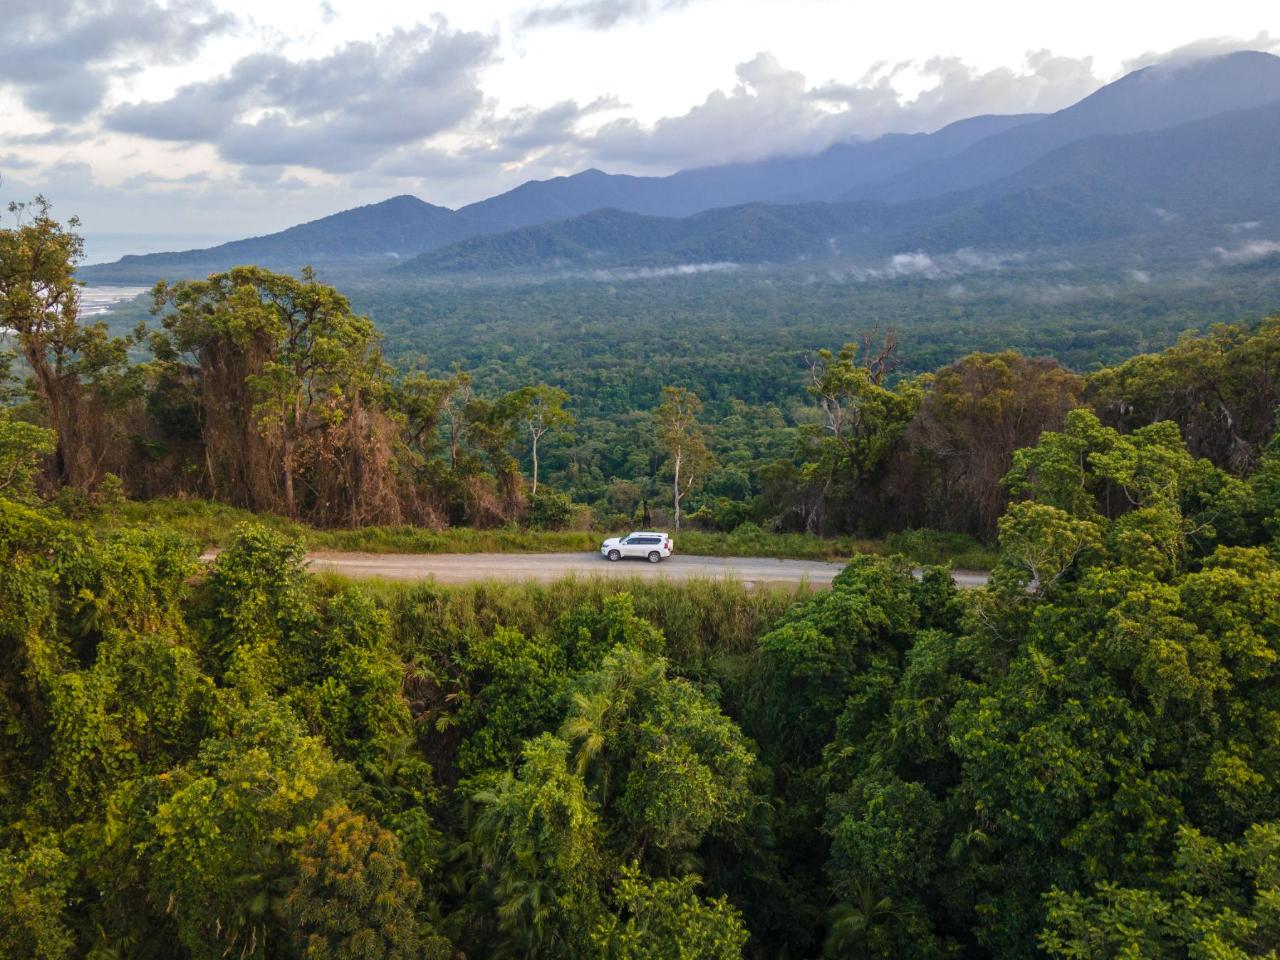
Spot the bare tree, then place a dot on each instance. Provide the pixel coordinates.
(542, 411)
(680, 434)
(455, 413)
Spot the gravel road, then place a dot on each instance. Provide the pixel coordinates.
(469, 567)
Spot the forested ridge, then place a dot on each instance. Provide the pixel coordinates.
(239, 759)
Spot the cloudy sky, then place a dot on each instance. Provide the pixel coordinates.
(164, 121)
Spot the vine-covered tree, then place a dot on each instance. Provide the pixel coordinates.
(291, 388)
(860, 420)
(974, 415)
(78, 371)
(22, 446)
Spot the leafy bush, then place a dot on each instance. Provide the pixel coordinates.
(549, 510)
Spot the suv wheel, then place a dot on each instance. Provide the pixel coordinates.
(654, 556)
(614, 555)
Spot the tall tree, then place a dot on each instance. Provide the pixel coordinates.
(861, 421)
(426, 404)
(75, 368)
(667, 918)
(289, 371)
(541, 412)
(1222, 389)
(493, 428)
(455, 412)
(228, 833)
(978, 411)
(681, 439)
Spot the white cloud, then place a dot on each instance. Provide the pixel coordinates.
(235, 106)
(595, 14)
(12, 161)
(1248, 252)
(928, 266)
(1206, 47)
(339, 112)
(775, 110)
(651, 273)
(60, 54)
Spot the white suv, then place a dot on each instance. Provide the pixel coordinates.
(643, 543)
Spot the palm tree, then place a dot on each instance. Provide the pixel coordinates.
(588, 726)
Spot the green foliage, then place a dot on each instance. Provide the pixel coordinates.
(350, 690)
(644, 766)
(533, 839)
(35, 885)
(1040, 543)
(288, 388)
(1220, 901)
(817, 650)
(1142, 492)
(353, 900)
(518, 684)
(21, 447)
(549, 510)
(78, 371)
(667, 920)
(1219, 388)
(1265, 486)
(664, 763)
(861, 419)
(230, 825)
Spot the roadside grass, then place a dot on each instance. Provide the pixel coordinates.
(703, 619)
(211, 524)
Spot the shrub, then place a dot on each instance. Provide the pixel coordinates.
(549, 510)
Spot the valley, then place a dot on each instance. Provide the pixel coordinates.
(967, 438)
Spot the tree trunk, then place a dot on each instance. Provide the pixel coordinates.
(812, 523)
(66, 456)
(535, 463)
(289, 502)
(675, 489)
(289, 443)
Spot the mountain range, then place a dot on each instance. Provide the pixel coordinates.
(1176, 150)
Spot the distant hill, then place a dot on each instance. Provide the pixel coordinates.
(400, 227)
(1207, 174)
(749, 233)
(781, 179)
(1188, 181)
(1153, 98)
(993, 181)
(405, 226)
